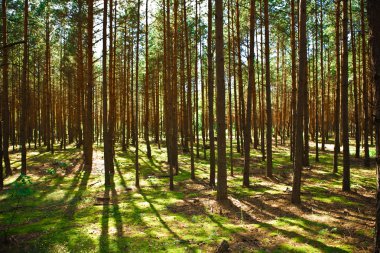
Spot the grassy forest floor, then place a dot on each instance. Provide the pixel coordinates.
(68, 210)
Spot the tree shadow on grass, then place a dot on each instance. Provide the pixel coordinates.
(60, 179)
(265, 211)
(136, 210)
(73, 204)
(300, 238)
(229, 205)
(158, 215)
(104, 244)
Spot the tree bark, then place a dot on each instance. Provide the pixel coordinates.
(210, 82)
(337, 89)
(106, 141)
(346, 147)
(373, 10)
(302, 80)
(268, 93)
(24, 90)
(146, 133)
(220, 102)
(5, 102)
(137, 169)
(294, 80)
(251, 84)
(89, 133)
(365, 88)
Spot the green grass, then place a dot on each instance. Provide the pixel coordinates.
(62, 213)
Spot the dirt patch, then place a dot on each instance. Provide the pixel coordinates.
(188, 207)
(19, 242)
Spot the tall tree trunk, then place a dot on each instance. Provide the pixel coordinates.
(302, 74)
(373, 10)
(146, 133)
(220, 102)
(210, 82)
(189, 103)
(230, 86)
(268, 93)
(105, 99)
(365, 89)
(254, 93)
(323, 85)
(240, 76)
(111, 98)
(125, 108)
(80, 78)
(196, 82)
(316, 89)
(24, 90)
(346, 147)
(337, 89)
(262, 116)
(251, 84)
(137, 169)
(294, 80)
(174, 100)
(5, 104)
(89, 133)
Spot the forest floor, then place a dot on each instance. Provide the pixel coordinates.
(64, 209)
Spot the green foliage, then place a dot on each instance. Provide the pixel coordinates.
(51, 171)
(21, 187)
(63, 165)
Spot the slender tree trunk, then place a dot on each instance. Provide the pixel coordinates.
(146, 133)
(365, 89)
(316, 90)
(230, 87)
(89, 134)
(5, 104)
(254, 93)
(277, 114)
(240, 76)
(251, 84)
(294, 85)
(125, 109)
(337, 89)
(373, 10)
(262, 115)
(137, 169)
(174, 95)
(80, 78)
(210, 82)
(111, 98)
(189, 89)
(302, 74)
(47, 84)
(196, 82)
(323, 85)
(306, 107)
(105, 99)
(24, 90)
(328, 125)
(220, 102)
(268, 93)
(346, 147)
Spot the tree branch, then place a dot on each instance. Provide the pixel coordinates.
(12, 44)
